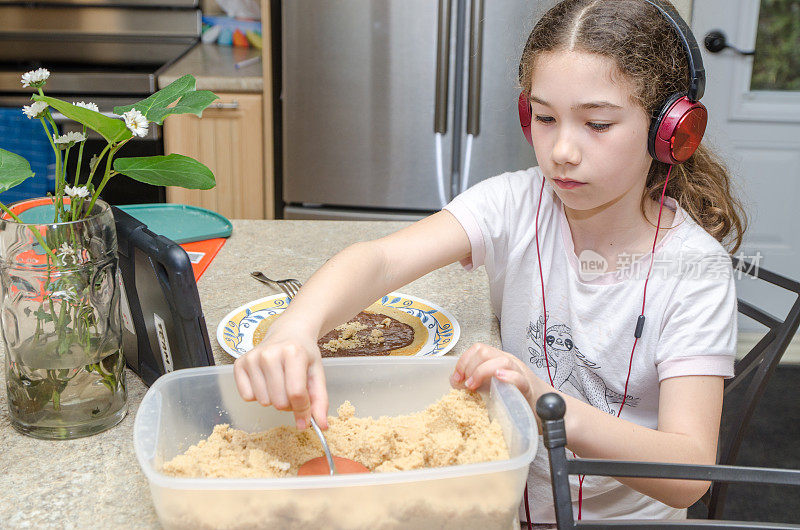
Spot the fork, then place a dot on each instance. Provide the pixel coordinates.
(289, 286)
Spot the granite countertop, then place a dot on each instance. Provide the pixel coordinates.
(213, 66)
(96, 481)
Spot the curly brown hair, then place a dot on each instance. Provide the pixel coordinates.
(647, 52)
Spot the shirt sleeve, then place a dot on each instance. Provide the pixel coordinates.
(699, 330)
(463, 214)
(486, 212)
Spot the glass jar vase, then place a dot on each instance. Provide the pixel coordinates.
(61, 325)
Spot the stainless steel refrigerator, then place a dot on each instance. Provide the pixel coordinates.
(392, 107)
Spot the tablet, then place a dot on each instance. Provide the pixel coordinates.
(162, 320)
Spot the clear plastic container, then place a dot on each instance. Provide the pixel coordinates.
(182, 408)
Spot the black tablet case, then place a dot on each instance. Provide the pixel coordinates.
(163, 324)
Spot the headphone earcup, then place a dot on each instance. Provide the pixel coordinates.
(676, 132)
(525, 117)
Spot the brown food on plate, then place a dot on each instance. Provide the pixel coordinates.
(378, 330)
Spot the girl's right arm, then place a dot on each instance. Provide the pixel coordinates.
(285, 370)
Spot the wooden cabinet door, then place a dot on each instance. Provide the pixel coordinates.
(229, 140)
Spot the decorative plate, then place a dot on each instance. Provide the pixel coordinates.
(236, 331)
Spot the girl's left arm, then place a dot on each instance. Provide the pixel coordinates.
(689, 414)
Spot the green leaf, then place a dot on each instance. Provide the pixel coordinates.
(163, 97)
(169, 170)
(191, 103)
(157, 107)
(113, 130)
(13, 170)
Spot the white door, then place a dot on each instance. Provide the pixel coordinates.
(754, 121)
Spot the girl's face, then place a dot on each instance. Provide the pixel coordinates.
(589, 135)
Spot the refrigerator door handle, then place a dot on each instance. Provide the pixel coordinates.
(475, 68)
(442, 67)
(473, 86)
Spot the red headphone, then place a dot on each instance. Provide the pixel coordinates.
(677, 128)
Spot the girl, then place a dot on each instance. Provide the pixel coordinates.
(595, 72)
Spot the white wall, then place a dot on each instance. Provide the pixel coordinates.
(684, 8)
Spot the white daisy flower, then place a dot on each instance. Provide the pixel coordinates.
(136, 122)
(87, 105)
(35, 78)
(34, 110)
(68, 140)
(76, 191)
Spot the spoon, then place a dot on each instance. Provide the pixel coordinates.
(329, 464)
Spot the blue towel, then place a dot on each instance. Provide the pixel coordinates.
(27, 138)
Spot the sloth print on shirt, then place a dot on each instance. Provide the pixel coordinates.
(571, 366)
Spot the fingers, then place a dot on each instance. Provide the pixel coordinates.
(250, 380)
(242, 380)
(271, 369)
(318, 393)
(484, 371)
(481, 362)
(295, 368)
(287, 375)
(466, 364)
(472, 358)
(517, 379)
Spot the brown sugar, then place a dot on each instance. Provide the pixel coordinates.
(454, 430)
(347, 339)
(375, 336)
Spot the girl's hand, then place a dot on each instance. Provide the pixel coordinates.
(480, 362)
(285, 371)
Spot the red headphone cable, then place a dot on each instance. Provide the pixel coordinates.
(640, 321)
(637, 333)
(541, 280)
(544, 342)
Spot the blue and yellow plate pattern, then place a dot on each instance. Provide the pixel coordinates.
(235, 332)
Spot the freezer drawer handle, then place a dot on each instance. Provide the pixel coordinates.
(475, 68)
(442, 67)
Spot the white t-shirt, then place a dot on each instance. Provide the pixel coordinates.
(690, 312)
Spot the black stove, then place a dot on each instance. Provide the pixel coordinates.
(109, 52)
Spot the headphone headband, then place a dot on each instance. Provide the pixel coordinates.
(677, 128)
(697, 74)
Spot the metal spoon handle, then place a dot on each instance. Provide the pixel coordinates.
(328, 456)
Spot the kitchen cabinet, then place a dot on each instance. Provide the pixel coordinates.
(229, 139)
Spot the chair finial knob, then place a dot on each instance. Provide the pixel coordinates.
(551, 407)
